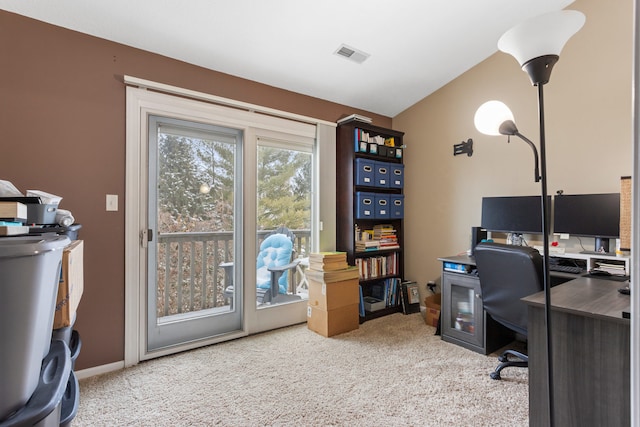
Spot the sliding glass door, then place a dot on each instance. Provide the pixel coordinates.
(194, 210)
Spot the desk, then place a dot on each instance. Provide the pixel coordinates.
(590, 350)
(461, 288)
(463, 319)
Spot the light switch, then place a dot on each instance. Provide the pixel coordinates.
(112, 202)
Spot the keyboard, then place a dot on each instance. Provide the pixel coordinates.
(565, 268)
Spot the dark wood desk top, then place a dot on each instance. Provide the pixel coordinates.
(587, 296)
(459, 259)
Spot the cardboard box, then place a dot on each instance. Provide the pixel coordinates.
(333, 322)
(329, 296)
(432, 303)
(70, 286)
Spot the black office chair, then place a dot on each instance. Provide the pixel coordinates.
(508, 273)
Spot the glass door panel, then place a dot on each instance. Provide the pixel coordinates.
(193, 211)
(284, 221)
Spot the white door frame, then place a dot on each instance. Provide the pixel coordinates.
(141, 102)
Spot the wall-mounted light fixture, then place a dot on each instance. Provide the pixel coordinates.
(464, 148)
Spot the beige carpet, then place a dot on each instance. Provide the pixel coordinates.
(393, 371)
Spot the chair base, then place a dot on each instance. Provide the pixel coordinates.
(522, 361)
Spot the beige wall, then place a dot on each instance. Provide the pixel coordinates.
(588, 134)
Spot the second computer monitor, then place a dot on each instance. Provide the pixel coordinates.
(588, 215)
(513, 214)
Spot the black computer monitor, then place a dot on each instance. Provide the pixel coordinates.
(588, 215)
(513, 214)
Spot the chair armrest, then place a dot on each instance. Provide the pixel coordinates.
(228, 273)
(285, 267)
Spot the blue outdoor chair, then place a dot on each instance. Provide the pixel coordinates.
(275, 258)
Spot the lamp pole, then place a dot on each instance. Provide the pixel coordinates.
(539, 71)
(545, 257)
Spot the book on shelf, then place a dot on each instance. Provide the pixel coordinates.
(381, 236)
(410, 297)
(13, 211)
(361, 307)
(367, 245)
(387, 291)
(377, 266)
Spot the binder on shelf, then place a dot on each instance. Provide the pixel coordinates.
(410, 297)
(396, 175)
(365, 172)
(365, 205)
(382, 206)
(396, 206)
(381, 174)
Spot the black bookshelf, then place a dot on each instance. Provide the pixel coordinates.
(348, 150)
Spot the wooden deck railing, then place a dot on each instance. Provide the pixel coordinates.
(189, 276)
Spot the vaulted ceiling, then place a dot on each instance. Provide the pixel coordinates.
(410, 48)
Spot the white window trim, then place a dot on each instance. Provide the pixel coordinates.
(140, 103)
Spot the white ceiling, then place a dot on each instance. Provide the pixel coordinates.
(416, 46)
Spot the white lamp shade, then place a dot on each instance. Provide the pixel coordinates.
(542, 35)
(490, 116)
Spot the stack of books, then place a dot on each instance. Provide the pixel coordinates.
(367, 245)
(386, 235)
(13, 216)
(382, 236)
(328, 261)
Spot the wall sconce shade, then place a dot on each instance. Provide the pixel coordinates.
(542, 35)
(490, 116)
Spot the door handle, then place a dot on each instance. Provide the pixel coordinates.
(146, 236)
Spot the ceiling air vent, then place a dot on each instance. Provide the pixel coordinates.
(352, 54)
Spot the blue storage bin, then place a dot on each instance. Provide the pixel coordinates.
(365, 205)
(382, 206)
(382, 174)
(396, 175)
(396, 206)
(365, 172)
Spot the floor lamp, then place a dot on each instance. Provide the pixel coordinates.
(536, 45)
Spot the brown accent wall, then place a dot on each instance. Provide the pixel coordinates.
(62, 127)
